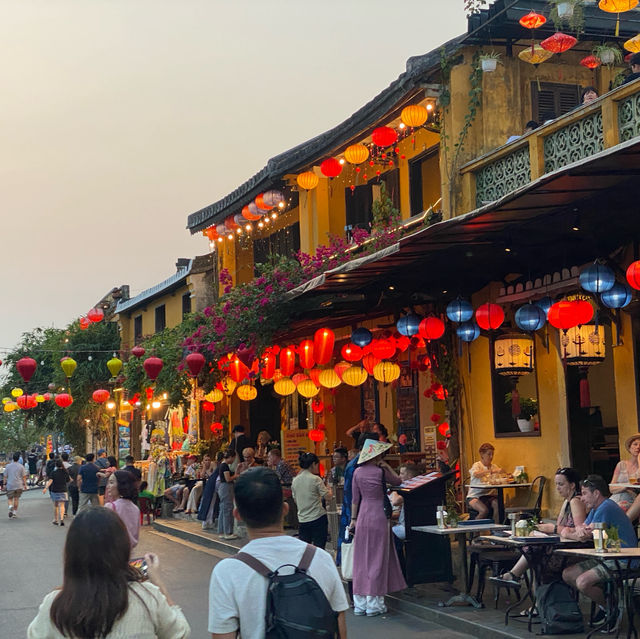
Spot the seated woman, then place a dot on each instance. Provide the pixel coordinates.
(482, 499)
(572, 514)
(178, 494)
(626, 471)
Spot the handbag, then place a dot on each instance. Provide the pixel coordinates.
(346, 557)
(386, 502)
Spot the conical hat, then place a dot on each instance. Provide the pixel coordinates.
(372, 449)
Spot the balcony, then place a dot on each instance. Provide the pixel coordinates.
(612, 119)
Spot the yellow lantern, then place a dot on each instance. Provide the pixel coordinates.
(16, 392)
(513, 355)
(633, 44)
(308, 389)
(68, 365)
(414, 115)
(329, 378)
(214, 396)
(6, 400)
(535, 55)
(40, 399)
(386, 372)
(229, 386)
(356, 154)
(10, 407)
(246, 392)
(284, 386)
(307, 180)
(355, 376)
(617, 6)
(114, 365)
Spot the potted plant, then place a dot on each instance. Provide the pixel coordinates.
(489, 61)
(608, 54)
(528, 408)
(567, 12)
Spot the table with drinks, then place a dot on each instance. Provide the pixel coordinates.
(500, 481)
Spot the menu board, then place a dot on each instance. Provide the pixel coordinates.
(429, 443)
(407, 409)
(420, 480)
(124, 439)
(295, 442)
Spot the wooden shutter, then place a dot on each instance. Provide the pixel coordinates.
(557, 99)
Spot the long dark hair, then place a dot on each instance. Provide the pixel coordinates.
(126, 484)
(97, 573)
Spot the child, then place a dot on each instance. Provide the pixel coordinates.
(481, 499)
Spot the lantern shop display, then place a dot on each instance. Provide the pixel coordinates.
(386, 372)
(354, 376)
(329, 378)
(307, 389)
(284, 386)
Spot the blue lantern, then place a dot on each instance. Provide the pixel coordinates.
(459, 311)
(597, 278)
(468, 331)
(530, 317)
(545, 304)
(408, 325)
(361, 336)
(618, 296)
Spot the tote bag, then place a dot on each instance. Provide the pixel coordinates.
(346, 558)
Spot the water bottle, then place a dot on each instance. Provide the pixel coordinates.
(440, 517)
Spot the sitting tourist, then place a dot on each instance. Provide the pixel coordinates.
(587, 576)
(479, 497)
(625, 471)
(144, 492)
(177, 495)
(249, 455)
(572, 514)
(284, 471)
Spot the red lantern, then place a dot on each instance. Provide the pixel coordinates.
(317, 406)
(268, 366)
(314, 375)
(633, 275)
(444, 429)
(207, 406)
(331, 168)
(248, 214)
(591, 62)
(316, 435)
(584, 311)
(216, 426)
(287, 361)
(340, 368)
(402, 343)
(351, 352)
(23, 402)
(435, 418)
(260, 203)
(431, 328)
(84, 322)
(323, 342)
(489, 316)
(195, 362)
(230, 223)
(384, 136)
(299, 377)
(26, 367)
(564, 315)
(64, 400)
(305, 354)
(238, 371)
(153, 366)
(95, 315)
(383, 348)
(100, 396)
(369, 361)
(149, 393)
(138, 351)
(532, 20)
(558, 42)
(322, 427)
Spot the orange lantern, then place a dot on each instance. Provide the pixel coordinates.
(617, 6)
(414, 115)
(354, 376)
(559, 42)
(261, 204)
(532, 20)
(369, 361)
(308, 180)
(591, 62)
(246, 392)
(356, 154)
(323, 342)
(238, 371)
(248, 214)
(287, 361)
(329, 378)
(305, 354)
(351, 353)
(340, 368)
(633, 44)
(100, 396)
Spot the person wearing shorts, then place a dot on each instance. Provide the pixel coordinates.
(57, 485)
(15, 475)
(88, 483)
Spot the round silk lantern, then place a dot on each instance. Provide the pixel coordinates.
(633, 275)
(26, 367)
(459, 311)
(152, 366)
(369, 362)
(307, 389)
(284, 386)
(354, 376)
(307, 180)
(299, 377)
(535, 55)
(532, 20)
(207, 407)
(591, 62)
(138, 351)
(330, 168)
(64, 400)
(545, 303)
(16, 392)
(100, 396)
(356, 154)
(597, 278)
(115, 366)
(247, 392)
(341, 367)
(414, 115)
(351, 353)
(489, 317)
(216, 395)
(247, 214)
(329, 378)
(261, 204)
(95, 315)
(558, 42)
(408, 325)
(195, 362)
(431, 328)
(317, 406)
(384, 136)
(316, 435)
(314, 375)
(305, 354)
(383, 349)
(361, 336)
(468, 331)
(323, 341)
(633, 44)
(84, 322)
(617, 6)
(530, 317)
(287, 361)
(563, 315)
(386, 372)
(68, 365)
(273, 198)
(584, 311)
(618, 296)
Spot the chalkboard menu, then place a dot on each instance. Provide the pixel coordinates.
(407, 409)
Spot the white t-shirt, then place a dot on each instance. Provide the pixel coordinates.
(238, 594)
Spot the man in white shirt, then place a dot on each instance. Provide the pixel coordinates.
(15, 477)
(237, 593)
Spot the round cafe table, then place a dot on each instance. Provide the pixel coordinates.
(500, 489)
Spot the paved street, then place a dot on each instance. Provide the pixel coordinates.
(31, 559)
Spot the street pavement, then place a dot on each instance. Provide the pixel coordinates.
(31, 560)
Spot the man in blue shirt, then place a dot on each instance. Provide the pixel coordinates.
(587, 576)
(88, 483)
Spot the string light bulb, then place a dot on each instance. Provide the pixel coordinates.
(401, 125)
(230, 236)
(220, 239)
(429, 107)
(260, 225)
(281, 205)
(156, 404)
(239, 231)
(248, 228)
(274, 215)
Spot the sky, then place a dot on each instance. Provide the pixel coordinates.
(119, 118)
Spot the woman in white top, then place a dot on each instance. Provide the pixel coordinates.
(308, 491)
(481, 499)
(626, 471)
(102, 596)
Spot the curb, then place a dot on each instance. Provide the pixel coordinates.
(202, 539)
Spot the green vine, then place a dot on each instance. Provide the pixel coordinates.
(575, 22)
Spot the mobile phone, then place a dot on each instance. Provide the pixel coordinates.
(141, 564)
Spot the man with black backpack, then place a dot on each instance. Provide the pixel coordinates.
(278, 586)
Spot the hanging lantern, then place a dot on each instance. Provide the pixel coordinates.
(316, 435)
(633, 44)
(195, 362)
(431, 328)
(152, 366)
(563, 315)
(100, 396)
(340, 368)
(597, 278)
(414, 115)
(633, 275)
(138, 351)
(323, 341)
(284, 386)
(468, 331)
(216, 395)
(115, 366)
(221, 230)
(618, 296)
(238, 371)
(84, 322)
(26, 367)
(249, 215)
(317, 406)
(513, 355)
(444, 430)
(489, 316)
(16, 392)
(307, 389)
(207, 407)
(330, 168)
(314, 375)
(356, 154)
(64, 400)
(591, 62)
(584, 311)
(618, 7)
(40, 399)
(530, 317)
(386, 372)
(261, 204)
(361, 336)
(230, 223)
(216, 427)
(287, 361)
(228, 386)
(459, 310)
(68, 365)
(535, 55)
(247, 392)
(95, 315)
(532, 20)
(26, 402)
(545, 303)
(273, 198)
(369, 362)
(384, 136)
(408, 325)
(307, 180)
(559, 42)
(383, 349)
(329, 378)
(583, 347)
(354, 376)
(299, 377)
(268, 366)
(305, 354)
(351, 353)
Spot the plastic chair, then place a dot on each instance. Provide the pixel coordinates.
(534, 500)
(146, 508)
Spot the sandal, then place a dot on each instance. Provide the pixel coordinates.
(512, 581)
(526, 612)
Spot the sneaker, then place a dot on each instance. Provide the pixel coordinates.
(11, 514)
(62, 523)
(231, 537)
(55, 523)
(359, 613)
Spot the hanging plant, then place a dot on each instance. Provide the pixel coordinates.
(489, 61)
(608, 54)
(569, 13)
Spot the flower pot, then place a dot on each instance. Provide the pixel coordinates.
(607, 57)
(525, 425)
(489, 65)
(565, 9)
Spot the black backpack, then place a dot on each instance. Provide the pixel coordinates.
(558, 609)
(297, 608)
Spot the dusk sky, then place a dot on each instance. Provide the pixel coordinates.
(121, 117)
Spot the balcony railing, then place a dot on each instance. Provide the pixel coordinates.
(610, 120)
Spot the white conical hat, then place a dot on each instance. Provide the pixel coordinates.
(371, 449)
